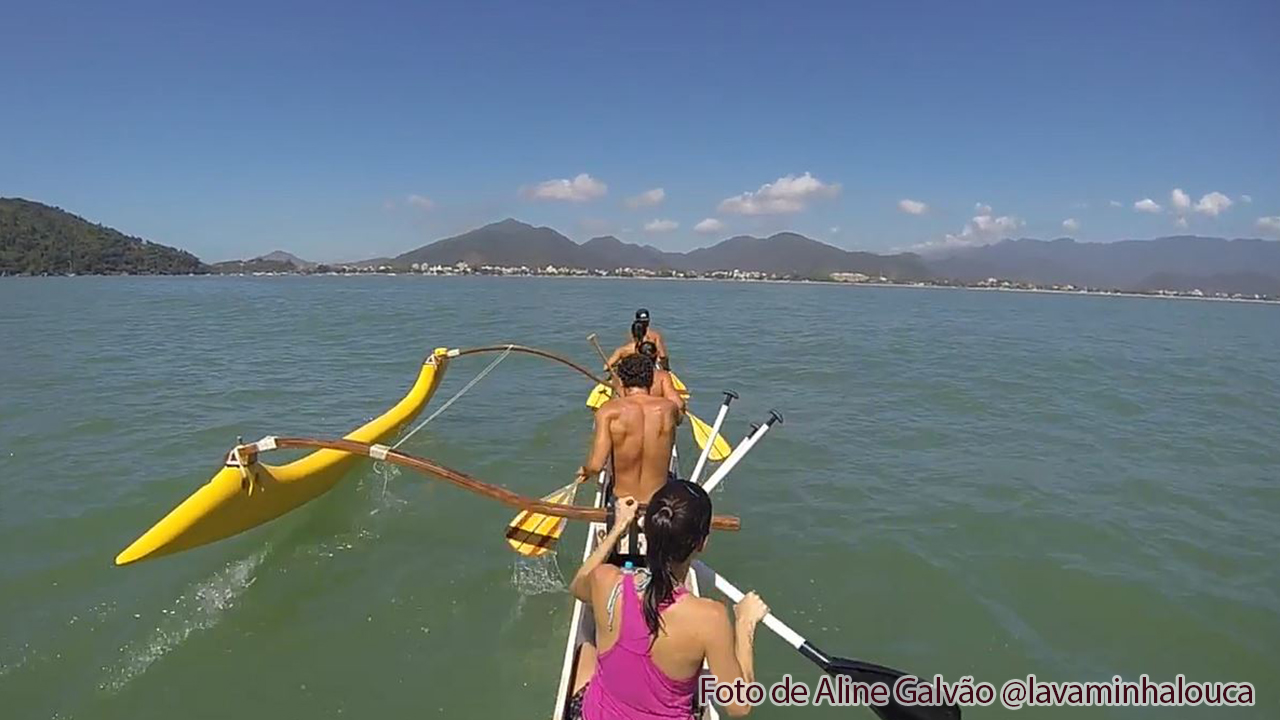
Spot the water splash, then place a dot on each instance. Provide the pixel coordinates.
(387, 500)
(537, 575)
(200, 608)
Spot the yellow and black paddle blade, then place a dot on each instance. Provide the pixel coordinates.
(720, 449)
(534, 534)
(599, 396)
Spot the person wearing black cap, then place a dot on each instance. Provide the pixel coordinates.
(641, 332)
(653, 336)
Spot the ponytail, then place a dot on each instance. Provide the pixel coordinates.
(676, 522)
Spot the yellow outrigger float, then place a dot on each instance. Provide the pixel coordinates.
(244, 495)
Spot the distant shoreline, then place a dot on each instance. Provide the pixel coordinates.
(775, 281)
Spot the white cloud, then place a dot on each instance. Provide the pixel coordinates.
(1181, 222)
(421, 202)
(993, 226)
(982, 208)
(1246, 199)
(787, 194)
(580, 189)
(912, 207)
(1071, 225)
(648, 198)
(1270, 224)
(660, 226)
(1213, 203)
(835, 230)
(982, 229)
(708, 225)
(1147, 205)
(1179, 201)
(1115, 203)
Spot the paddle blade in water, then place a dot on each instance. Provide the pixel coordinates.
(534, 534)
(720, 449)
(865, 672)
(599, 396)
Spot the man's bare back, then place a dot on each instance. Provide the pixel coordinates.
(638, 430)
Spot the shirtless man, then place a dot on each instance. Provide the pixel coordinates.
(641, 332)
(638, 429)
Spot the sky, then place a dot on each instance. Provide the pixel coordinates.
(345, 130)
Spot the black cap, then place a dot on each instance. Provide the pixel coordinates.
(642, 315)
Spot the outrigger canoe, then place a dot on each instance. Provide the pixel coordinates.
(247, 493)
(242, 495)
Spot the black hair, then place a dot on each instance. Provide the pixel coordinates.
(635, 371)
(676, 522)
(638, 330)
(648, 349)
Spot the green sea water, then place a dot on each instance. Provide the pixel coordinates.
(967, 483)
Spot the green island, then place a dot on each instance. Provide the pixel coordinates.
(37, 239)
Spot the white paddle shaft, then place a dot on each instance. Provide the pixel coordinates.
(706, 451)
(791, 637)
(735, 457)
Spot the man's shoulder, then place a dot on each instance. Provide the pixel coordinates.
(663, 404)
(618, 405)
(611, 407)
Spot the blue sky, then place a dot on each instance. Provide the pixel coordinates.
(346, 130)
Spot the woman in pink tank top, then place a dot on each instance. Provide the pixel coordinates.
(652, 636)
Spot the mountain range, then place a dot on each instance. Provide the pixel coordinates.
(1169, 263)
(1182, 262)
(40, 239)
(514, 243)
